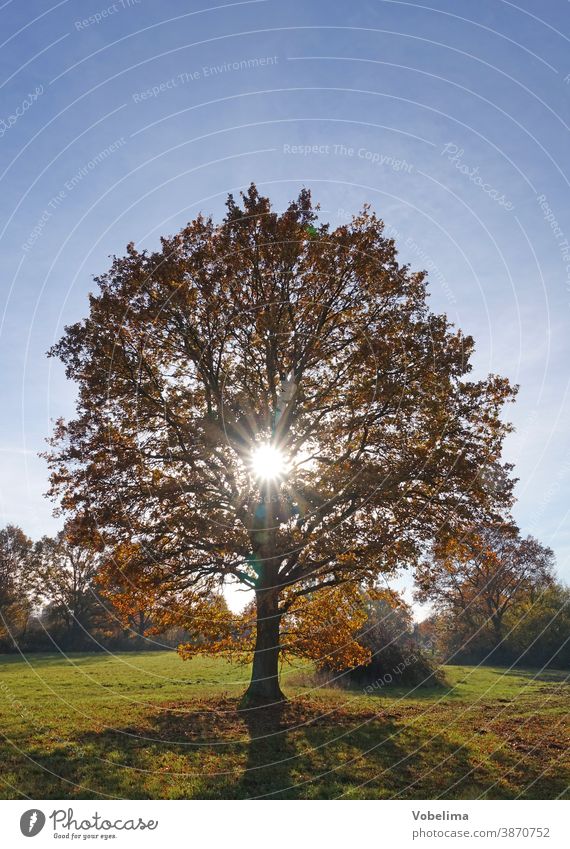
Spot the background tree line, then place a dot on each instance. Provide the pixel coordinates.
(50, 597)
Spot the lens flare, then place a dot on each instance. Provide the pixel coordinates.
(268, 462)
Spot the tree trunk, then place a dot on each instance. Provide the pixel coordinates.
(497, 621)
(264, 686)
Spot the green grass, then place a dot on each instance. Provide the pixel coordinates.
(152, 726)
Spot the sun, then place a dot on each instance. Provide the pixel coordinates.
(268, 462)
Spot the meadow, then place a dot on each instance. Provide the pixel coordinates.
(148, 725)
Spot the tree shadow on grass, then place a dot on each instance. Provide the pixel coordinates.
(303, 749)
(271, 753)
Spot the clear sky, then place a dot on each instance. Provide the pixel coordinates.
(120, 121)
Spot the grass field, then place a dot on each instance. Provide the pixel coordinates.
(152, 726)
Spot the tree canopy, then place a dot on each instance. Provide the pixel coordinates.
(273, 330)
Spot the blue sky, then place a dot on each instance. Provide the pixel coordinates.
(120, 121)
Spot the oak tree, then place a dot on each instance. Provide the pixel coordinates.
(270, 401)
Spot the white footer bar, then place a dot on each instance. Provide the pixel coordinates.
(283, 824)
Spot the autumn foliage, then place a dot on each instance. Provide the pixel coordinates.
(272, 329)
(482, 584)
